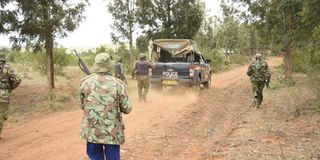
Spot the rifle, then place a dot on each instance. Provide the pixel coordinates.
(124, 79)
(10, 82)
(268, 84)
(133, 74)
(82, 65)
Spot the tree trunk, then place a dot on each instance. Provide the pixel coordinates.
(130, 7)
(49, 60)
(131, 46)
(48, 45)
(288, 59)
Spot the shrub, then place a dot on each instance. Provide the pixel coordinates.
(239, 59)
(38, 60)
(218, 63)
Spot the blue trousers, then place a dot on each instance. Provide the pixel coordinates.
(103, 151)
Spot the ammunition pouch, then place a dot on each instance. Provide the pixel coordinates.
(4, 85)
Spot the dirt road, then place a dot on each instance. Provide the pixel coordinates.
(169, 126)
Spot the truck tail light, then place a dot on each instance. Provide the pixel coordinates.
(192, 69)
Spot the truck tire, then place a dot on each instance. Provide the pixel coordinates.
(157, 87)
(208, 83)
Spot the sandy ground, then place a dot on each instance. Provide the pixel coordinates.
(179, 125)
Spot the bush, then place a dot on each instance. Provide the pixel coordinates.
(218, 63)
(38, 60)
(301, 62)
(121, 52)
(239, 59)
(308, 62)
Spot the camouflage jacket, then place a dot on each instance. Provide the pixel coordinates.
(259, 71)
(9, 80)
(103, 100)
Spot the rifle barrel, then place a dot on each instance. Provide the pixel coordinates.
(82, 65)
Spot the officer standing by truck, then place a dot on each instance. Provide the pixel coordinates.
(141, 71)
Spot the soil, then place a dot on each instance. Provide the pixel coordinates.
(178, 125)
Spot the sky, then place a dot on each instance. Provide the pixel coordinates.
(95, 29)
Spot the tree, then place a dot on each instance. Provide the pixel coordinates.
(280, 22)
(228, 30)
(101, 49)
(310, 18)
(7, 17)
(123, 12)
(142, 43)
(170, 18)
(42, 21)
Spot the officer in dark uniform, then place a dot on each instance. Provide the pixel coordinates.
(119, 73)
(141, 71)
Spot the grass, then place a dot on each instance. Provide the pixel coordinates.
(299, 93)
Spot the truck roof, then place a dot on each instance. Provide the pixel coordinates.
(176, 46)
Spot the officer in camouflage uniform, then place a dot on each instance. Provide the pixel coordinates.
(260, 75)
(119, 71)
(9, 80)
(103, 100)
(141, 71)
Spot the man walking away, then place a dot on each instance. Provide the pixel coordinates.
(141, 71)
(103, 100)
(9, 80)
(260, 75)
(119, 73)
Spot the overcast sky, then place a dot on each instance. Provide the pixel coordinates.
(95, 29)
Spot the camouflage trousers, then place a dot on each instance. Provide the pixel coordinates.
(4, 108)
(143, 87)
(257, 90)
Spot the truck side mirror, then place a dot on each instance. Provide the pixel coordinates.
(208, 60)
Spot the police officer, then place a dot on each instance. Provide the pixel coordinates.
(141, 71)
(9, 80)
(260, 75)
(119, 73)
(103, 100)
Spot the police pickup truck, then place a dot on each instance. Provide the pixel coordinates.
(178, 62)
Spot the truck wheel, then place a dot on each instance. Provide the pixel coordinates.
(208, 83)
(197, 86)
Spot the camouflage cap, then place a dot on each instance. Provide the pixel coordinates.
(102, 63)
(258, 56)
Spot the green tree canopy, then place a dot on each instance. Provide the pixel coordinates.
(170, 18)
(7, 17)
(40, 22)
(123, 25)
(280, 23)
